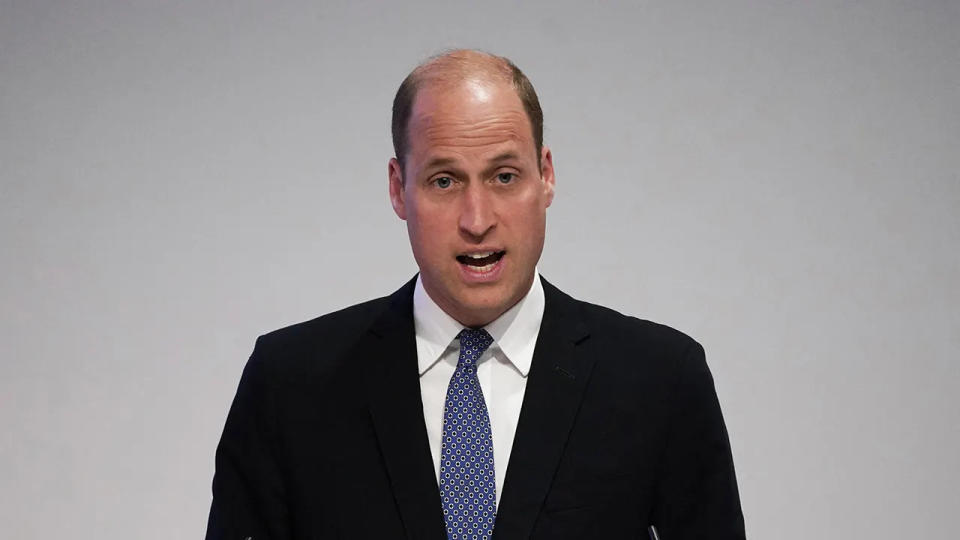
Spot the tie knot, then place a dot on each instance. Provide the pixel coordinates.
(472, 344)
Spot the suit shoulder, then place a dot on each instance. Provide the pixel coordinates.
(630, 329)
(337, 324)
(635, 347)
(317, 342)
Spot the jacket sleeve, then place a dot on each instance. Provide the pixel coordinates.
(248, 490)
(697, 494)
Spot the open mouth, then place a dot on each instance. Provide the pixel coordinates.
(481, 262)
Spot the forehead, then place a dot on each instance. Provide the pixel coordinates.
(470, 114)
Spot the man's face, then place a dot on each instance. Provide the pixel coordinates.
(473, 197)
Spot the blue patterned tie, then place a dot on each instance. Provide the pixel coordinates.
(467, 481)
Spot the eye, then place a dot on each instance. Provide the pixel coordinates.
(506, 177)
(443, 182)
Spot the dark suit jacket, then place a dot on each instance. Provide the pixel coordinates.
(620, 428)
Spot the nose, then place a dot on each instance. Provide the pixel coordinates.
(477, 215)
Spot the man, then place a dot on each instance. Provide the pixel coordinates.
(477, 399)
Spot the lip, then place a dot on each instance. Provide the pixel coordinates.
(471, 276)
(483, 249)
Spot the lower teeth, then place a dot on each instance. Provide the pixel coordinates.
(482, 269)
(474, 266)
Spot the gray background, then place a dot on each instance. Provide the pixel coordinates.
(777, 179)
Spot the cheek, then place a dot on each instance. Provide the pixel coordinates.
(531, 223)
(531, 205)
(429, 229)
(533, 198)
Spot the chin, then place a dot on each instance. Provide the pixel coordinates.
(479, 304)
(488, 308)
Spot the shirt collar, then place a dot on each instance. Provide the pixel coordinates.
(514, 333)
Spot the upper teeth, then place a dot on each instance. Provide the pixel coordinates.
(479, 255)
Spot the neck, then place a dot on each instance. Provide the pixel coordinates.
(476, 316)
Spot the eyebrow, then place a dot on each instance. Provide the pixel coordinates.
(440, 162)
(498, 160)
(505, 156)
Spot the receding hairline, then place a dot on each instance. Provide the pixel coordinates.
(454, 66)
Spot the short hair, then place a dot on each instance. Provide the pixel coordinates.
(462, 62)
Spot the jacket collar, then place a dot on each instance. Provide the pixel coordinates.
(396, 410)
(514, 332)
(558, 375)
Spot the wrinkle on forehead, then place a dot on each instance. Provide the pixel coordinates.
(438, 131)
(444, 135)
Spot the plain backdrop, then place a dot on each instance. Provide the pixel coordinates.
(777, 179)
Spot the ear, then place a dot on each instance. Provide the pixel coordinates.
(395, 174)
(547, 174)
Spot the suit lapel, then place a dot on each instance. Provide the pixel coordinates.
(393, 390)
(558, 376)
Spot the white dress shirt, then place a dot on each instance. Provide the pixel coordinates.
(502, 368)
